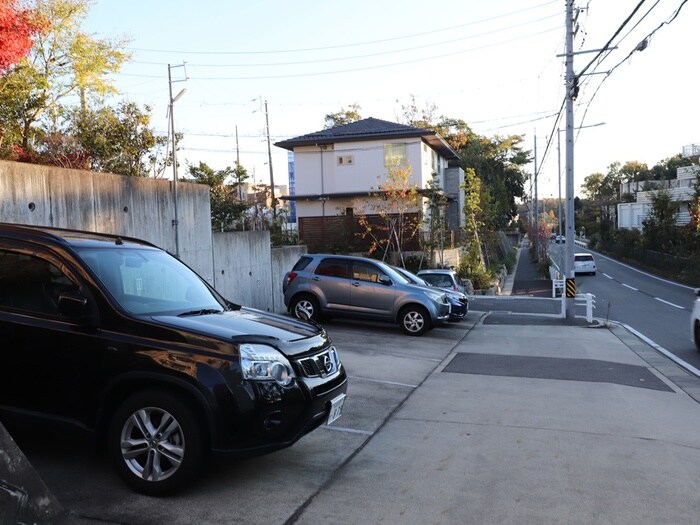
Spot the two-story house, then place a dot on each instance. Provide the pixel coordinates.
(337, 175)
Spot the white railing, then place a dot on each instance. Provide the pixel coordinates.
(558, 285)
(587, 299)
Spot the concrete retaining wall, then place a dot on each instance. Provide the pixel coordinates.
(248, 271)
(101, 202)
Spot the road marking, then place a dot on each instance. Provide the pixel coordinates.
(350, 430)
(630, 287)
(608, 276)
(382, 382)
(670, 304)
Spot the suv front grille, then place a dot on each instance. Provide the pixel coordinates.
(319, 365)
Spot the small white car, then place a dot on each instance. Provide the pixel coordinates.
(695, 321)
(584, 263)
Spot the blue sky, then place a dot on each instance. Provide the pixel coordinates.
(493, 64)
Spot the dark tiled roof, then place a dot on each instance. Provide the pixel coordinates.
(369, 129)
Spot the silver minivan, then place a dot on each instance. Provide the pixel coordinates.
(323, 286)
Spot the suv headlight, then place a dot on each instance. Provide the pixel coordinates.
(438, 297)
(264, 363)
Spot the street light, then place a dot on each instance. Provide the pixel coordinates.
(174, 99)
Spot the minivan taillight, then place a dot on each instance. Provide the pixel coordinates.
(290, 277)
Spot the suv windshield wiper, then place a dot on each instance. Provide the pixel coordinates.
(201, 311)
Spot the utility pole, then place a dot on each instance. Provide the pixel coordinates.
(571, 89)
(269, 159)
(176, 220)
(537, 211)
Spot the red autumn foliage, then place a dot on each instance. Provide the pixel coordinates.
(17, 27)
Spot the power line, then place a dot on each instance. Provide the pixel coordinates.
(340, 46)
(354, 70)
(356, 57)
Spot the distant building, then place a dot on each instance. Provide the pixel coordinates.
(681, 191)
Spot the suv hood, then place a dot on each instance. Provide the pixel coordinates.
(253, 326)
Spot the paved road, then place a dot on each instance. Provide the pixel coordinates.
(657, 308)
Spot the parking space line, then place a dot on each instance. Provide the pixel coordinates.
(382, 382)
(670, 304)
(350, 430)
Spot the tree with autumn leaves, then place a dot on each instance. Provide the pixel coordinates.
(18, 27)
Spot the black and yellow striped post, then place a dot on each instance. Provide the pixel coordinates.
(570, 288)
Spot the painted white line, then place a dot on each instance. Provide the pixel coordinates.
(670, 304)
(350, 430)
(382, 382)
(630, 287)
(608, 276)
(690, 368)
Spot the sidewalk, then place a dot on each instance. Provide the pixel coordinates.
(531, 425)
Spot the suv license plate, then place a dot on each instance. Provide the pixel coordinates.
(336, 408)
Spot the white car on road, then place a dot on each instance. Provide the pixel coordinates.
(584, 263)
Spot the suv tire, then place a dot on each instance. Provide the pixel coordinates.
(155, 443)
(414, 320)
(309, 304)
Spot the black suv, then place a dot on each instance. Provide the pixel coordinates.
(121, 338)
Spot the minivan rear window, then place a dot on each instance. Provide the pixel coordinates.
(583, 258)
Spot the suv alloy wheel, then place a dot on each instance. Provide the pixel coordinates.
(155, 443)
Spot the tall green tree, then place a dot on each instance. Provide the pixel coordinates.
(603, 191)
(64, 61)
(225, 208)
(660, 231)
(116, 140)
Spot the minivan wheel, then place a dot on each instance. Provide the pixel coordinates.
(308, 304)
(414, 320)
(155, 443)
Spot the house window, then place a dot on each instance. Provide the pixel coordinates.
(395, 154)
(349, 212)
(345, 160)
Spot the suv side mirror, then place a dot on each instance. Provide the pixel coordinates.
(383, 279)
(73, 305)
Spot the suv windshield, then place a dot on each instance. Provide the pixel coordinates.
(149, 282)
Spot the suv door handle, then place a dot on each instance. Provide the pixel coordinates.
(356, 283)
(315, 278)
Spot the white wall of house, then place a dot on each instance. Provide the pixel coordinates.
(353, 167)
(631, 214)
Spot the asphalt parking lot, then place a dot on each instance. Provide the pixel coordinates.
(499, 419)
(384, 368)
